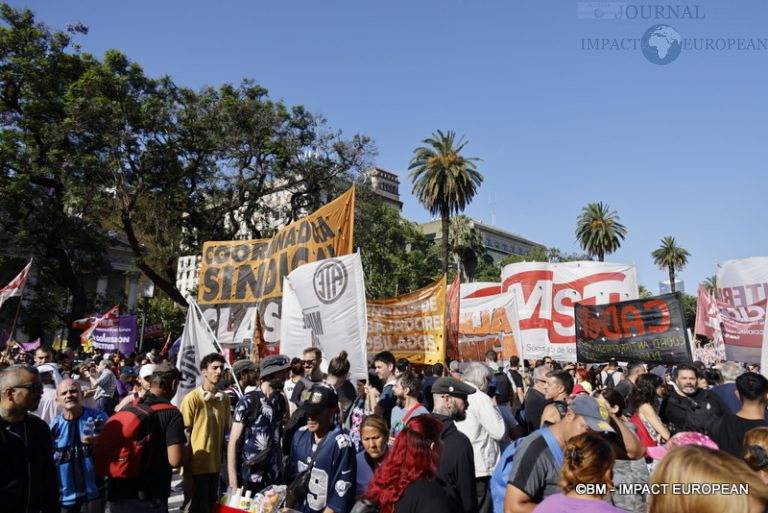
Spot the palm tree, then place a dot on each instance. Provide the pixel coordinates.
(598, 230)
(710, 285)
(671, 256)
(466, 244)
(444, 181)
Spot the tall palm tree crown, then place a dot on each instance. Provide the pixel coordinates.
(444, 181)
(598, 230)
(670, 256)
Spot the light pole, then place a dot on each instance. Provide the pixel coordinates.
(147, 292)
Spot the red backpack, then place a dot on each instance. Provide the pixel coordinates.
(122, 449)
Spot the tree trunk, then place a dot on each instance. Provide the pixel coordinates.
(446, 233)
(672, 277)
(163, 284)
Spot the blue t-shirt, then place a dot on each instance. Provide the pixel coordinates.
(78, 482)
(364, 474)
(264, 432)
(333, 477)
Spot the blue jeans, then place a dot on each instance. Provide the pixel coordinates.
(138, 506)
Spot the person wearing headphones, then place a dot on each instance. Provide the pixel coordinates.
(206, 421)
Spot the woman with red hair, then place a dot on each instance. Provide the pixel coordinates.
(405, 481)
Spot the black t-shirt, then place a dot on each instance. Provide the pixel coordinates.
(28, 477)
(534, 407)
(155, 482)
(347, 395)
(517, 379)
(423, 495)
(503, 388)
(729, 433)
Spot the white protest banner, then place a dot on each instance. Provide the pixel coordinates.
(545, 294)
(323, 306)
(479, 289)
(196, 342)
(742, 290)
(488, 323)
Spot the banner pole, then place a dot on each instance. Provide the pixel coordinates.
(216, 344)
(15, 318)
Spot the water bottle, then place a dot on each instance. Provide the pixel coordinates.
(89, 428)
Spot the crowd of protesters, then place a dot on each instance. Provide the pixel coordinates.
(460, 437)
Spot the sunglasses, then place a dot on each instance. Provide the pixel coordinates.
(307, 362)
(32, 387)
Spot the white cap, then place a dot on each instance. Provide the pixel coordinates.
(147, 370)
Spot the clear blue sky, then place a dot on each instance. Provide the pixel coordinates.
(676, 149)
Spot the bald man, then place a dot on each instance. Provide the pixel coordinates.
(81, 490)
(26, 473)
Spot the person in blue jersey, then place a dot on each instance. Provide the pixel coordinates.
(332, 482)
(74, 432)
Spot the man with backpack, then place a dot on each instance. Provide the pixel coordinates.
(690, 408)
(532, 466)
(611, 375)
(256, 462)
(149, 489)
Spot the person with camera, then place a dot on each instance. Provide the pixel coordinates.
(254, 455)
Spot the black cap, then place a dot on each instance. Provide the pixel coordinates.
(452, 386)
(274, 363)
(320, 397)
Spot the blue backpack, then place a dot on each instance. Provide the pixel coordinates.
(500, 475)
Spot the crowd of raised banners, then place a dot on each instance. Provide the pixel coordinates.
(287, 290)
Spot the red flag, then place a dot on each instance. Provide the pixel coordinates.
(16, 286)
(452, 319)
(113, 313)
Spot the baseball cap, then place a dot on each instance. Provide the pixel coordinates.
(147, 370)
(683, 438)
(320, 397)
(452, 386)
(274, 363)
(128, 371)
(241, 366)
(593, 412)
(578, 389)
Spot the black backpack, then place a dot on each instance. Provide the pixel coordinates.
(610, 383)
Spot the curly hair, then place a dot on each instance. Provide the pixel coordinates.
(415, 456)
(644, 392)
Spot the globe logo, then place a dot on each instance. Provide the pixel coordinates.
(599, 13)
(661, 44)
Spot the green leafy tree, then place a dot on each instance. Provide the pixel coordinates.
(689, 310)
(466, 245)
(643, 292)
(184, 167)
(444, 180)
(598, 230)
(540, 253)
(45, 195)
(397, 257)
(670, 256)
(487, 271)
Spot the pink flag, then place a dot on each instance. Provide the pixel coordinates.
(29, 346)
(16, 287)
(113, 313)
(707, 315)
